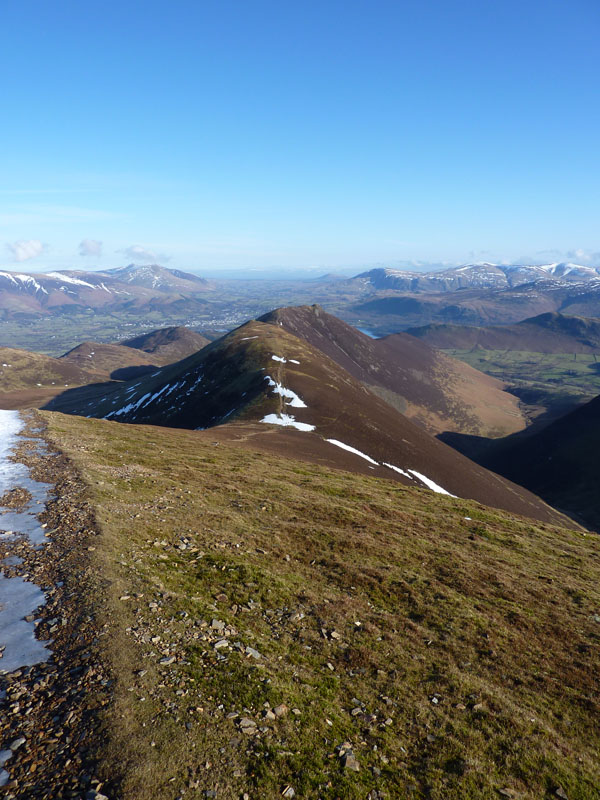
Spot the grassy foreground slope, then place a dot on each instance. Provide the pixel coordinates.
(278, 628)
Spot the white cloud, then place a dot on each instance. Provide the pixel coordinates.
(581, 256)
(25, 249)
(138, 253)
(90, 247)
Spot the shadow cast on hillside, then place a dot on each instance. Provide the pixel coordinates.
(130, 373)
(71, 401)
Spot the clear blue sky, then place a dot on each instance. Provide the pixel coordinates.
(250, 133)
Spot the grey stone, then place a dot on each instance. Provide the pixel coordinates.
(16, 743)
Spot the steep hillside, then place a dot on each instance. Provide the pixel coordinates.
(111, 359)
(560, 463)
(281, 629)
(168, 344)
(31, 378)
(546, 333)
(440, 393)
(134, 357)
(260, 374)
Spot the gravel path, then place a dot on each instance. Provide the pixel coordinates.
(52, 684)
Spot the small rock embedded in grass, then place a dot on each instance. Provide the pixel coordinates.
(289, 792)
(247, 725)
(281, 710)
(349, 762)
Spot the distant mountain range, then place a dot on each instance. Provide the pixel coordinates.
(384, 300)
(123, 289)
(477, 276)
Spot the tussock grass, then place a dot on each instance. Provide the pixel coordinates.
(467, 648)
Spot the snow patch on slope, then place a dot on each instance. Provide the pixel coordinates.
(352, 450)
(430, 484)
(287, 421)
(290, 396)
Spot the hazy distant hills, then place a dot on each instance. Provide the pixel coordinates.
(263, 382)
(478, 294)
(67, 291)
(384, 300)
(476, 276)
(546, 333)
(159, 278)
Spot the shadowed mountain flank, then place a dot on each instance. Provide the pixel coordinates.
(434, 390)
(560, 462)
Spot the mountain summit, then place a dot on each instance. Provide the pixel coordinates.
(264, 383)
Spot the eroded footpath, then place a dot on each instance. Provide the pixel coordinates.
(52, 684)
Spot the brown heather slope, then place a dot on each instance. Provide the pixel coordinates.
(168, 344)
(127, 359)
(111, 359)
(28, 379)
(444, 650)
(434, 390)
(240, 379)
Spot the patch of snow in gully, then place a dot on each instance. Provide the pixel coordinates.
(19, 598)
(290, 396)
(288, 421)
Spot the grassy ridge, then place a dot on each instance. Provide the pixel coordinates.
(451, 648)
